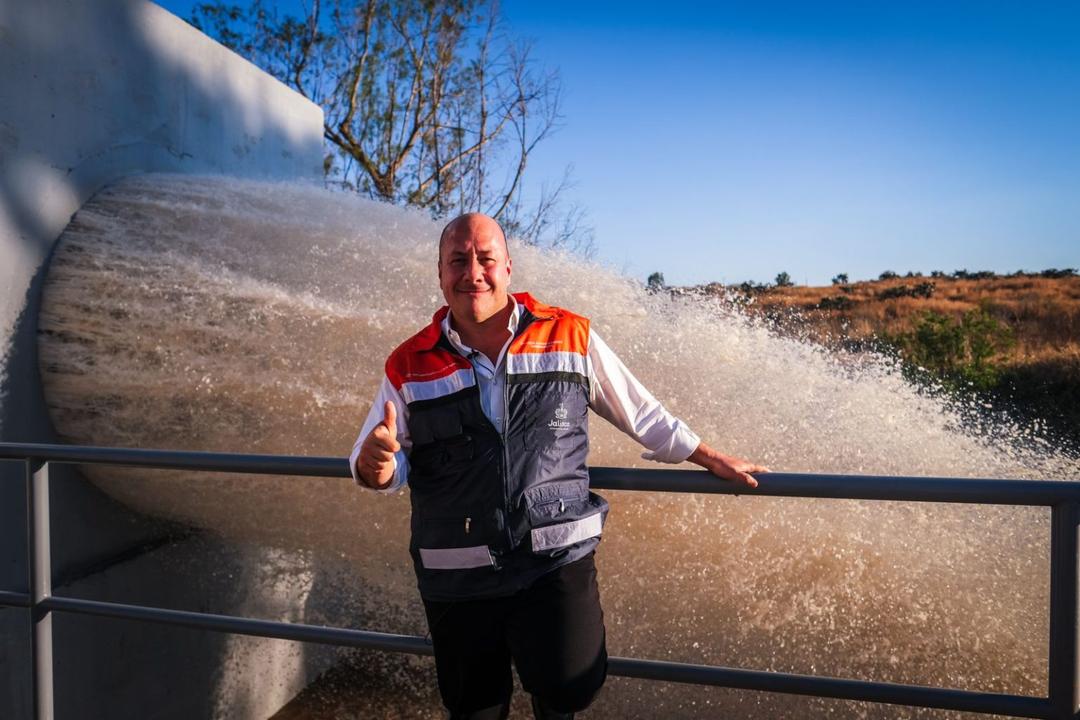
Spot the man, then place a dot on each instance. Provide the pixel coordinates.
(485, 414)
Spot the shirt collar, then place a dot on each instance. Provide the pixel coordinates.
(455, 339)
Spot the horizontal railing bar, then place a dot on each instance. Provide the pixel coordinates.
(14, 599)
(849, 487)
(838, 688)
(179, 459)
(845, 487)
(947, 699)
(244, 626)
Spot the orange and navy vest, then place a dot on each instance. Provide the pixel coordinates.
(491, 511)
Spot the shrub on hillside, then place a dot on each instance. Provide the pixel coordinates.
(1048, 390)
(752, 288)
(977, 275)
(837, 302)
(959, 352)
(922, 290)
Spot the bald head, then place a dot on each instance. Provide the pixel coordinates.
(472, 225)
(474, 270)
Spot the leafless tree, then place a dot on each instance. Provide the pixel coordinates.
(427, 103)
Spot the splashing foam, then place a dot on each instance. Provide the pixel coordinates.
(226, 315)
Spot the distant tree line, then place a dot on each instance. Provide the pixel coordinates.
(655, 283)
(1053, 273)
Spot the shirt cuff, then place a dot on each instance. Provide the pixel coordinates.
(682, 444)
(401, 473)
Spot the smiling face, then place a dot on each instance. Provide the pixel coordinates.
(474, 268)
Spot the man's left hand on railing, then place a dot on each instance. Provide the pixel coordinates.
(727, 467)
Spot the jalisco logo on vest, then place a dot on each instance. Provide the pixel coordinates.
(560, 420)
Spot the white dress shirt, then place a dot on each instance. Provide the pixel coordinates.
(614, 394)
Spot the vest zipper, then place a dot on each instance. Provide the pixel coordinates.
(502, 433)
(524, 322)
(502, 441)
(505, 418)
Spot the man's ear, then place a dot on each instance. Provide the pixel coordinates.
(509, 264)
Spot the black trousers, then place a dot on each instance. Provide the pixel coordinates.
(553, 631)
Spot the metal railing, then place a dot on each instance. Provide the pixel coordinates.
(1062, 497)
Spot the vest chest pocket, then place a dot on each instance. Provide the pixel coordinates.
(429, 424)
(442, 456)
(561, 514)
(441, 446)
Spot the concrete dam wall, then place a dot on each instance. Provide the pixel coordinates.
(92, 91)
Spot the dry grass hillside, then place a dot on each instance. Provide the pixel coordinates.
(1028, 352)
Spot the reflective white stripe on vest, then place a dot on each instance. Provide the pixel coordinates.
(554, 536)
(456, 558)
(412, 391)
(529, 363)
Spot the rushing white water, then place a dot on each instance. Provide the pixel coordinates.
(217, 314)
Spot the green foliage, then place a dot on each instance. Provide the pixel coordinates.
(958, 352)
(750, 287)
(655, 283)
(922, 290)
(1048, 392)
(837, 302)
(976, 275)
(1055, 273)
(840, 279)
(783, 280)
(888, 275)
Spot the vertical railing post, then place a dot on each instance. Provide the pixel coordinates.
(1064, 683)
(39, 566)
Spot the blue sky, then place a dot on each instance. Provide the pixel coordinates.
(732, 141)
